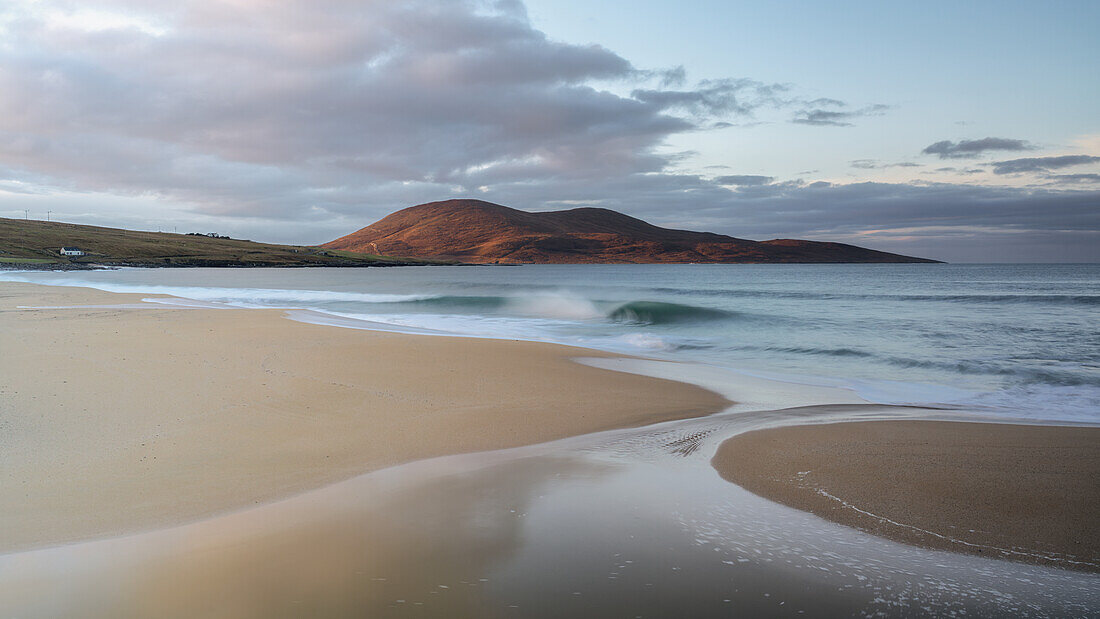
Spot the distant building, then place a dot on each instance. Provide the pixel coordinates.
(72, 251)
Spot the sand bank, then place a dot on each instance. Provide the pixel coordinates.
(1018, 492)
(118, 420)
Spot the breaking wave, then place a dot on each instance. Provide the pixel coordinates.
(658, 313)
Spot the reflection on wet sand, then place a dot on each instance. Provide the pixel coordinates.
(361, 546)
(623, 523)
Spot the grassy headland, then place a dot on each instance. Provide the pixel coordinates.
(29, 243)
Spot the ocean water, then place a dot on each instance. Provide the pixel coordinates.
(1005, 340)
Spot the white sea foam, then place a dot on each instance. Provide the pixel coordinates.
(646, 341)
(357, 322)
(181, 302)
(902, 393)
(747, 391)
(463, 325)
(244, 297)
(561, 305)
(1077, 404)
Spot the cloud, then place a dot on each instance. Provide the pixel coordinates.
(1074, 178)
(953, 170)
(821, 117)
(871, 164)
(967, 149)
(316, 109)
(1041, 164)
(740, 97)
(744, 179)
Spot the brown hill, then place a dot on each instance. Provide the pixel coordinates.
(477, 231)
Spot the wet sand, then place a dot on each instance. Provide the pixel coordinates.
(1017, 492)
(615, 524)
(121, 420)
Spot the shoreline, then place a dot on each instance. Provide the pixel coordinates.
(105, 435)
(1023, 493)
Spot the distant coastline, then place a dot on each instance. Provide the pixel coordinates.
(451, 232)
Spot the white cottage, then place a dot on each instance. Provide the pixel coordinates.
(72, 251)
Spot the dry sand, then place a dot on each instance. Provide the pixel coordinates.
(118, 420)
(1018, 492)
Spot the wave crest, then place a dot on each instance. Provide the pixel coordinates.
(659, 313)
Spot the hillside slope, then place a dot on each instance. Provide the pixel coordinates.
(477, 231)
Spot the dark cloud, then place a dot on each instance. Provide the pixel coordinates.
(744, 179)
(967, 149)
(1074, 178)
(1041, 164)
(861, 206)
(820, 116)
(968, 171)
(740, 97)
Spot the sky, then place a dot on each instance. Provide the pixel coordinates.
(966, 132)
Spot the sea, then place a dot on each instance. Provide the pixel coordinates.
(1006, 340)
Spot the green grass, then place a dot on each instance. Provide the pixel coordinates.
(27, 260)
(37, 242)
(340, 253)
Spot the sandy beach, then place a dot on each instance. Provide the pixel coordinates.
(236, 463)
(1018, 492)
(121, 420)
